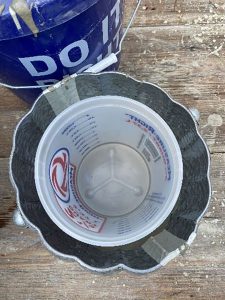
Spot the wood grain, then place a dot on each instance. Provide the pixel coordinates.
(177, 12)
(180, 46)
(9, 101)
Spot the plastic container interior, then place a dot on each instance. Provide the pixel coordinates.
(108, 171)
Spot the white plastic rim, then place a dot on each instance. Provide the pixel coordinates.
(110, 124)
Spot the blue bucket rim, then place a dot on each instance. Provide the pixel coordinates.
(63, 10)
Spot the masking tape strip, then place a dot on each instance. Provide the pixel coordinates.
(161, 247)
(66, 91)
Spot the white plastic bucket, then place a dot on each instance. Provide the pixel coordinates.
(108, 171)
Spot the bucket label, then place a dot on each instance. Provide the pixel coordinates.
(59, 175)
(63, 181)
(83, 133)
(77, 55)
(154, 149)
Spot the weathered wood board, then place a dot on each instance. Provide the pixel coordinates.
(179, 45)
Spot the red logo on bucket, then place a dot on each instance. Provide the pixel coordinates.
(59, 174)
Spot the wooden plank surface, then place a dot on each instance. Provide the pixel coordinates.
(180, 46)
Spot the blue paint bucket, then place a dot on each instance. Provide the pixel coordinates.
(43, 41)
